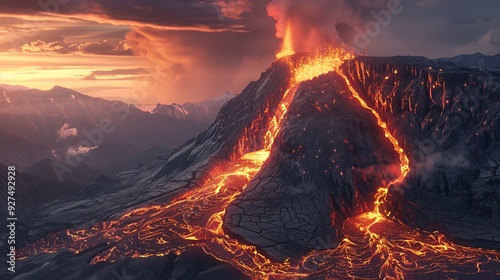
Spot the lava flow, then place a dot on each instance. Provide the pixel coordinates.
(373, 247)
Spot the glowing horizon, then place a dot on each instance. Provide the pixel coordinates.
(202, 49)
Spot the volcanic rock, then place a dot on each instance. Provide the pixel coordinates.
(326, 165)
(447, 120)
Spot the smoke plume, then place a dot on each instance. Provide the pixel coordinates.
(315, 23)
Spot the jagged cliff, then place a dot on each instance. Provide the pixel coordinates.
(447, 119)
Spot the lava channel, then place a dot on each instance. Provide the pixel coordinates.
(374, 246)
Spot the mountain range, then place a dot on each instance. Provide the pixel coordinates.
(204, 111)
(61, 140)
(38, 125)
(477, 60)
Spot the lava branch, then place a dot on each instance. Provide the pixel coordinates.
(194, 219)
(373, 246)
(399, 248)
(403, 158)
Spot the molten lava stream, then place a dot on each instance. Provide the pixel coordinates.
(373, 247)
(376, 247)
(194, 219)
(159, 230)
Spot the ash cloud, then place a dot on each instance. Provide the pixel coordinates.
(233, 9)
(320, 22)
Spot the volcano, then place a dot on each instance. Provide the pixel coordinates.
(365, 168)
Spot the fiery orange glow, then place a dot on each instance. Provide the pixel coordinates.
(404, 161)
(322, 62)
(275, 124)
(192, 217)
(373, 247)
(287, 45)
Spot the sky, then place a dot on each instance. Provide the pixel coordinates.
(166, 51)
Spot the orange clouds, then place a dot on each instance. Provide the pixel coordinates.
(197, 65)
(194, 47)
(41, 46)
(234, 9)
(98, 48)
(117, 74)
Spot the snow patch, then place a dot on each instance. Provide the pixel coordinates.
(81, 150)
(7, 98)
(148, 108)
(65, 132)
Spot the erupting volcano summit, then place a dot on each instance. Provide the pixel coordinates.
(327, 167)
(332, 164)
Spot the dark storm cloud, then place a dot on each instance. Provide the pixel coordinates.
(203, 48)
(169, 14)
(197, 65)
(440, 28)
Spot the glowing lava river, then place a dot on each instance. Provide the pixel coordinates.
(373, 246)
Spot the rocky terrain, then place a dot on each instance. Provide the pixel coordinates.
(448, 119)
(324, 167)
(330, 160)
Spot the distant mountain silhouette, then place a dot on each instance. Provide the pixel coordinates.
(477, 60)
(204, 111)
(61, 123)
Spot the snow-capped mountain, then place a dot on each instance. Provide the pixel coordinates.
(109, 135)
(204, 111)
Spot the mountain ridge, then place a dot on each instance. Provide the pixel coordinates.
(61, 120)
(204, 111)
(477, 60)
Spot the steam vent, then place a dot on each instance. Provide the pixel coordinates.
(327, 167)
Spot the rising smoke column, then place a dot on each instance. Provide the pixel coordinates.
(315, 24)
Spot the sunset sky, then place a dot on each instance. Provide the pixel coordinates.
(191, 50)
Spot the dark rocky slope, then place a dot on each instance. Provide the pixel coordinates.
(448, 121)
(328, 161)
(421, 100)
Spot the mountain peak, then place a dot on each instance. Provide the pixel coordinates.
(8, 87)
(204, 111)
